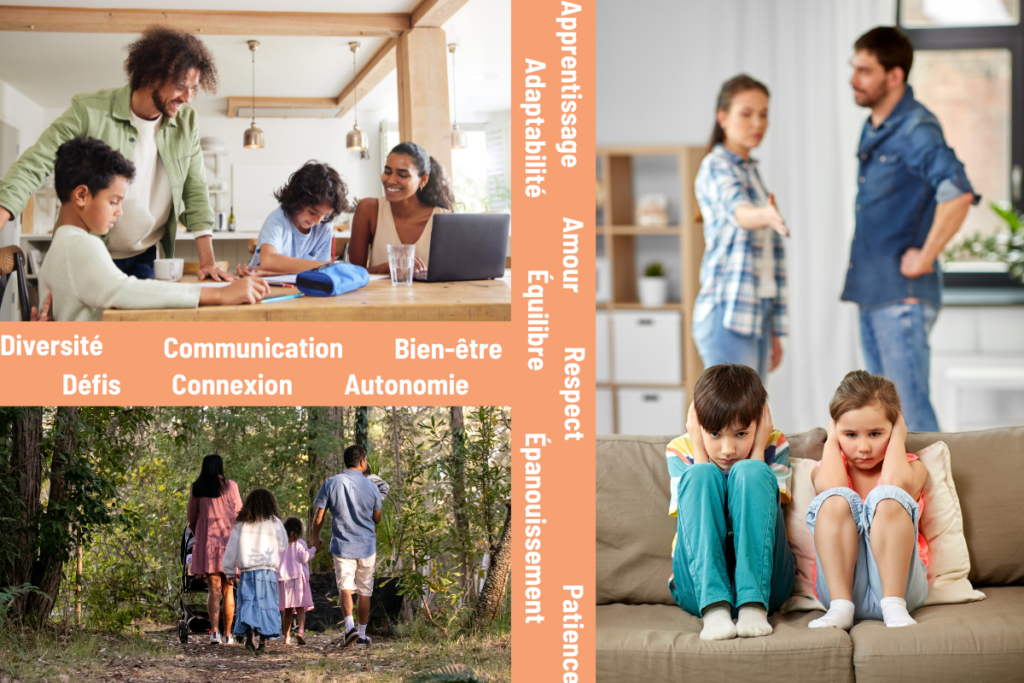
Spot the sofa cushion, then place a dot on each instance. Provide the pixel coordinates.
(654, 643)
(978, 641)
(801, 542)
(988, 468)
(942, 525)
(634, 533)
(808, 445)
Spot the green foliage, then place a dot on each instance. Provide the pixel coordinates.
(105, 442)
(653, 269)
(9, 594)
(132, 474)
(1006, 246)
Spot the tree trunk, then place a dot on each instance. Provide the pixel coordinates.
(78, 585)
(398, 488)
(323, 422)
(363, 428)
(312, 466)
(493, 594)
(49, 566)
(458, 484)
(27, 466)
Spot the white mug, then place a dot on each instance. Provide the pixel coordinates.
(168, 268)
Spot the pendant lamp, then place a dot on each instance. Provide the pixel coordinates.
(459, 140)
(356, 139)
(253, 138)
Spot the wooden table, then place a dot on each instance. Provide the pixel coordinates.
(466, 301)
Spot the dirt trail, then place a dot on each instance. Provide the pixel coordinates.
(321, 660)
(200, 662)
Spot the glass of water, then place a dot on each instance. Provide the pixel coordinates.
(402, 261)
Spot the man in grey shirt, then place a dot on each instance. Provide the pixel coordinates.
(355, 505)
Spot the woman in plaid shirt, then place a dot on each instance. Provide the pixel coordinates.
(740, 313)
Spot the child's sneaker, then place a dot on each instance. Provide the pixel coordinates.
(350, 636)
(214, 638)
(363, 642)
(248, 642)
(227, 639)
(300, 638)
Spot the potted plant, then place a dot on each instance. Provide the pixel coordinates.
(653, 286)
(1006, 246)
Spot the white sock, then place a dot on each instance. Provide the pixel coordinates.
(349, 623)
(718, 623)
(839, 615)
(753, 621)
(362, 630)
(895, 614)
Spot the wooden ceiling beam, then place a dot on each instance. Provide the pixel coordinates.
(204, 22)
(369, 77)
(434, 13)
(235, 103)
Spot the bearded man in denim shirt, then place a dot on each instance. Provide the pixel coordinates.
(913, 195)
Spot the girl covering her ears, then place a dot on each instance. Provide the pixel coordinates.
(871, 558)
(415, 188)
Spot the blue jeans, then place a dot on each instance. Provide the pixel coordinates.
(731, 544)
(895, 344)
(717, 344)
(140, 265)
(867, 586)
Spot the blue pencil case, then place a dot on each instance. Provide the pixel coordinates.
(332, 279)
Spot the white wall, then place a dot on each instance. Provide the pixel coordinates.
(659, 68)
(292, 142)
(27, 117)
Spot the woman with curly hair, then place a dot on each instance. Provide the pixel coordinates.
(298, 235)
(212, 506)
(253, 551)
(415, 188)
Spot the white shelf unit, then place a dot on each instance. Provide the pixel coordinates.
(647, 362)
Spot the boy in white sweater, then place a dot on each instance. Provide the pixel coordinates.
(91, 180)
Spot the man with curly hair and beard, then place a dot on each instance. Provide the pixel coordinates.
(148, 121)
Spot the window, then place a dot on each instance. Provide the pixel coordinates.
(967, 57)
(480, 173)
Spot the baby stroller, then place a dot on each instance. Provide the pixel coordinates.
(193, 594)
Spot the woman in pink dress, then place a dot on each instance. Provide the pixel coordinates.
(212, 507)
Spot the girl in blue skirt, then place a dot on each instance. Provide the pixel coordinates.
(256, 541)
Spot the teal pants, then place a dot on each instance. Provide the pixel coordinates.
(731, 544)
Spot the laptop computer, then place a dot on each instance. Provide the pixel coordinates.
(467, 246)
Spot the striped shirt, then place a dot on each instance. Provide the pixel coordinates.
(679, 455)
(730, 269)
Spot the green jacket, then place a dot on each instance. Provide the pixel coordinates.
(106, 115)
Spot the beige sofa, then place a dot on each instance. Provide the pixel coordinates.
(643, 636)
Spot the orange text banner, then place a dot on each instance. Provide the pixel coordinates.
(553, 304)
(257, 364)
